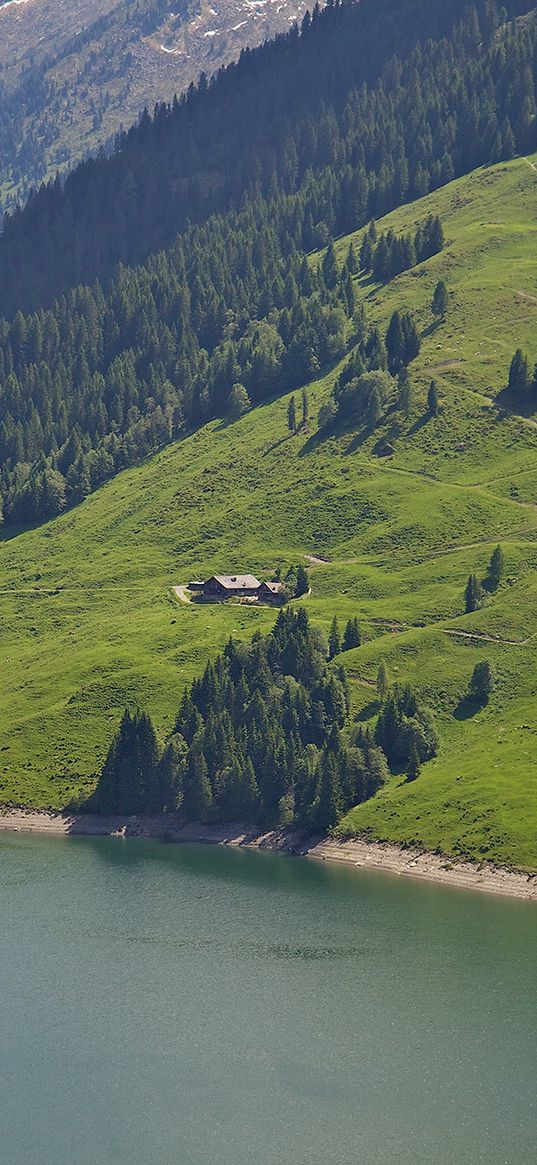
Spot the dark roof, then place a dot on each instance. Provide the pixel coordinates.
(236, 582)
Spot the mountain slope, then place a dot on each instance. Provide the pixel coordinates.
(72, 75)
(88, 619)
(371, 105)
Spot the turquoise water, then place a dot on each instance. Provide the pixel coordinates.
(196, 1005)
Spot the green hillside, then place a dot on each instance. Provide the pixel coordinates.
(89, 621)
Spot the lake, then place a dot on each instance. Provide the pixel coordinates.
(197, 1005)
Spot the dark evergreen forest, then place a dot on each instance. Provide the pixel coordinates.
(257, 738)
(264, 736)
(179, 266)
(369, 105)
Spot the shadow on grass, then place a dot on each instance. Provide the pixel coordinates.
(509, 405)
(431, 328)
(358, 440)
(370, 710)
(315, 440)
(419, 424)
(467, 707)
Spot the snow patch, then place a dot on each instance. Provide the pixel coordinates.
(240, 25)
(212, 32)
(10, 2)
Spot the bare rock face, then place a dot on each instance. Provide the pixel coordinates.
(75, 72)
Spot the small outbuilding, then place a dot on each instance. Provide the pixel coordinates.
(271, 592)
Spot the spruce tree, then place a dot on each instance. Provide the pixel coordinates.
(432, 400)
(291, 415)
(374, 407)
(302, 581)
(440, 300)
(305, 407)
(412, 341)
(395, 343)
(483, 681)
(382, 681)
(352, 635)
(518, 374)
(414, 765)
(352, 262)
(404, 392)
(327, 809)
(350, 296)
(334, 639)
(473, 594)
(128, 783)
(330, 267)
(198, 799)
(496, 568)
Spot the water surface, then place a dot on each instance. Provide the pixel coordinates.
(195, 1005)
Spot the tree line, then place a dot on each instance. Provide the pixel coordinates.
(375, 376)
(387, 255)
(230, 316)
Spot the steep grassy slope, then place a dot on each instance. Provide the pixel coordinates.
(88, 620)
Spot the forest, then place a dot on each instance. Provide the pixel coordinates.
(263, 737)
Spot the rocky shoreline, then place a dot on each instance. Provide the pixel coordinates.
(359, 852)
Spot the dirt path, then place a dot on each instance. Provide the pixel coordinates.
(316, 559)
(526, 295)
(183, 594)
(482, 637)
(531, 165)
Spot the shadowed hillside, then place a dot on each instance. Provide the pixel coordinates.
(74, 73)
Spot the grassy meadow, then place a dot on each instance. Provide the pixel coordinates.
(89, 621)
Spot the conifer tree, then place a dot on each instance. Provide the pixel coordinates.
(483, 681)
(404, 392)
(518, 374)
(352, 636)
(334, 639)
(129, 779)
(305, 407)
(382, 681)
(414, 765)
(350, 296)
(440, 300)
(432, 399)
(395, 343)
(496, 568)
(473, 595)
(352, 262)
(302, 581)
(330, 267)
(291, 415)
(198, 798)
(327, 809)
